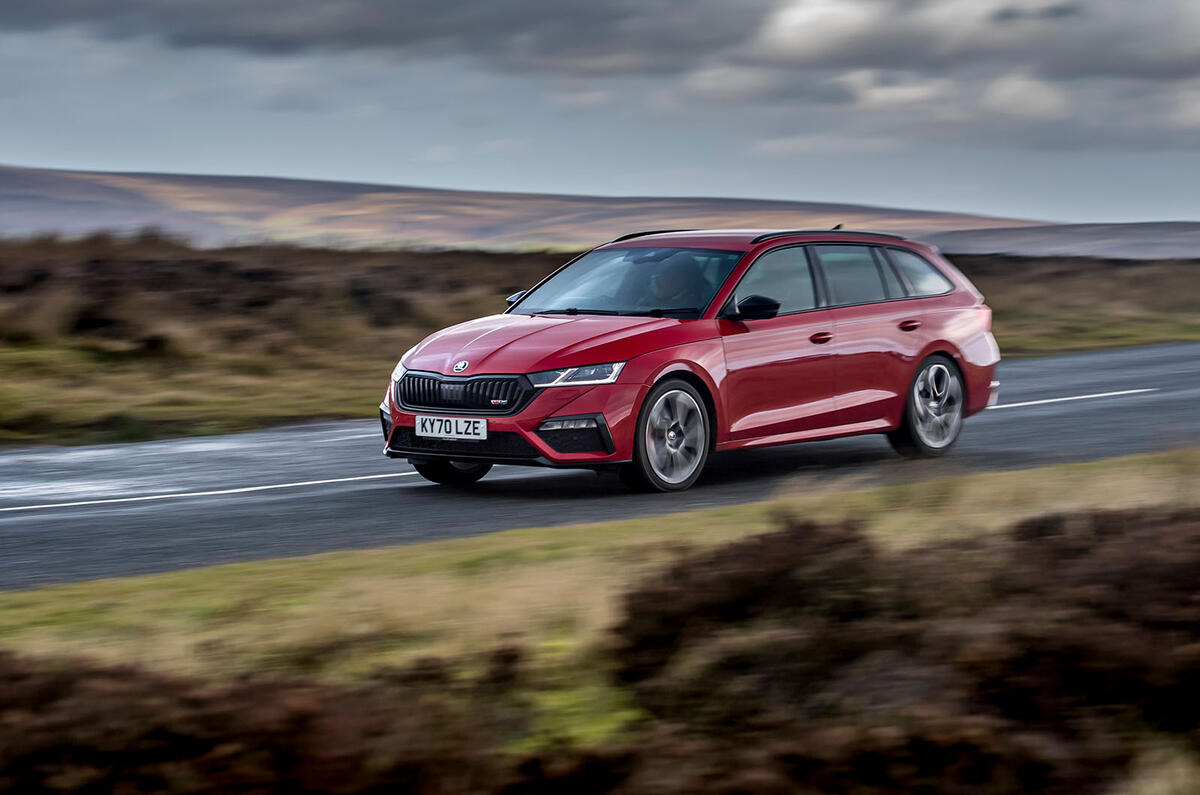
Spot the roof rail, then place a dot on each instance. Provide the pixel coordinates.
(790, 232)
(632, 235)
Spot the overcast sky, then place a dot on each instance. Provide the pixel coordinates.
(1057, 109)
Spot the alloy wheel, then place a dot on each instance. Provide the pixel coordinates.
(676, 436)
(937, 405)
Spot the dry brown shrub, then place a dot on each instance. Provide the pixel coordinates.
(1077, 630)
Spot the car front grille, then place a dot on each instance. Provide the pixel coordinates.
(486, 394)
(500, 445)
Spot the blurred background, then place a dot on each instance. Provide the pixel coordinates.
(222, 222)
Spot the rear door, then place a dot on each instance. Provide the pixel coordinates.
(779, 378)
(878, 336)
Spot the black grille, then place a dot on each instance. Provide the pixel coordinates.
(498, 445)
(499, 395)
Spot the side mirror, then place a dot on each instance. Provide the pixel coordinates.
(512, 299)
(754, 307)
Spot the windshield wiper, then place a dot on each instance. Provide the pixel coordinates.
(673, 310)
(577, 311)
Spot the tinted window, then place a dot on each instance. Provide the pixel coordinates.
(923, 277)
(782, 275)
(851, 273)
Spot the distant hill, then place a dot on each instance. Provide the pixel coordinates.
(1175, 240)
(220, 210)
(216, 210)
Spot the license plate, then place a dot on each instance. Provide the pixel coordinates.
(452, 428)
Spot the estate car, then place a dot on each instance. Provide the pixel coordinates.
(651, 352)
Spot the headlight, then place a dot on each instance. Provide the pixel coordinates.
(578, 376)
(399, 370)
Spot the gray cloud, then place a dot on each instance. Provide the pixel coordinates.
(599, 36)
(870, 74)
(1050, 12)
(1153, 38)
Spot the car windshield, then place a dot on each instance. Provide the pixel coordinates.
(674, 282)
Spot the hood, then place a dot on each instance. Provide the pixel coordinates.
(529, 343)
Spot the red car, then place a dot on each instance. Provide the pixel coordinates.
(648, 353)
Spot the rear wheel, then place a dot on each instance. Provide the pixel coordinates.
(451, 473)
(672, 439)
(933, 410)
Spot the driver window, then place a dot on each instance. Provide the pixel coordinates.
(783, 275)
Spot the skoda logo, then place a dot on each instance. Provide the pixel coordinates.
(460, 366)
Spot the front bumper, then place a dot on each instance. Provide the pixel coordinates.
(516, 440)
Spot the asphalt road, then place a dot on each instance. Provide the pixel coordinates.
(85, 512)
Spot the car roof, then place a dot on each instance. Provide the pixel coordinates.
(745, 239)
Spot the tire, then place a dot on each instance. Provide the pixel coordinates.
(933, 410)
(672, 439)
(451, 473)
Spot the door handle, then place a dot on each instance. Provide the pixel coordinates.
(821, 337)
(910, 325)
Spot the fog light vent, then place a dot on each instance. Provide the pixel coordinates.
(568, 425)
(576, 434)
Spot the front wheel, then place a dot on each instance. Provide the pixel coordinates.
(672, 441)
(451, 473)
(933, 410)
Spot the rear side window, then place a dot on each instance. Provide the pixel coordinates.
(852, 274)
(782, 275)
(923, 277)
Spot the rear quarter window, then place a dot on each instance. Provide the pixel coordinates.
(924, 278)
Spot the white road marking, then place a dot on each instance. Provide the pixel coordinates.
(346, 438)
(217, 493)
(1073, 397)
